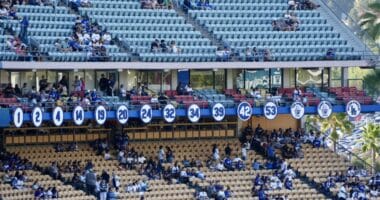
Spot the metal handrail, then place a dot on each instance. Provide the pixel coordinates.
(363, 35)
(85, 55)
(347, 153)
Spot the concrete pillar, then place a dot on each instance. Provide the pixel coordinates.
(286, 78)
(345, 76)
(174, 79)
(230, 79)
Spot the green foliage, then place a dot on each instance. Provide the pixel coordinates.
(371, 141)
(337, 123)
(370, 20)
(372, 83)
(371, 138)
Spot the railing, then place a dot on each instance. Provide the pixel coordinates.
(343, 151)
(353, 25)
(87, 56)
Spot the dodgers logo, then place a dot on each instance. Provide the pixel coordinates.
(324, 109)
(353, 108)
(297, 110)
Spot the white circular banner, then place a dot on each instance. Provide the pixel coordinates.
(324, 109)
(194, 113)
(270, 110)
(169, 113)
(37, 116)
(146, 113)
(297, 109)
(244, 111)
(78, 115)
(353, 108)
(122, 114)
(18, 117)
(100, 115)
(57, 116)
(218, 112)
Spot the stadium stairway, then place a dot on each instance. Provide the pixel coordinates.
(215, 41)
(341, 28)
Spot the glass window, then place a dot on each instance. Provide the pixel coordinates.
(166, 80)
(309, 77)
(15, 79)
(28, 78)
(356, 75)
(201, 79)
(154, 80)
(326, 77)
(276, 78)
(89, 79)
(220, 80)
(235, 78)
(257, 78)
(336, 77)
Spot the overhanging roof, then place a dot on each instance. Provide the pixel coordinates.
(181, 65)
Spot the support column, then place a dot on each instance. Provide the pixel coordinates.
(345, 76)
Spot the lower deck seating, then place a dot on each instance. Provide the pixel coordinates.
(45, 181)
(240, 182)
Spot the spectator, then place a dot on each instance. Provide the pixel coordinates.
(103, 84)
(77, 84)
(297, 94)
(292, 5)
(115, 180)
(106, 38)
(9, 91)
(149, 4)
(163, 46)
(228, 150)
(23, 35)
(223, 54)
(288, 183)
(189, 89)
(330, 54)
(90, 178)
(343, 193)
(161, 154)
(309, 5)
(112, 194)
(55, 194)
(244, 151)
(103, 189)
(154, 46)
(174, 48)
(267, 55)
(248, 54)
(256, 165)
(215, 152)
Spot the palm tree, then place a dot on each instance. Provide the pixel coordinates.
(370, 20)
(371, 141)
(337, 124)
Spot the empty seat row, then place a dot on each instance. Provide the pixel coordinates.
(128, 12)
(41, 9)
(185, 50)
(180, 42)
(163, 57)
(249, 14)
(303, 28)
(240, 20)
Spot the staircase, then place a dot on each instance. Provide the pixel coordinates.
(341, 28)
(198, 27)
